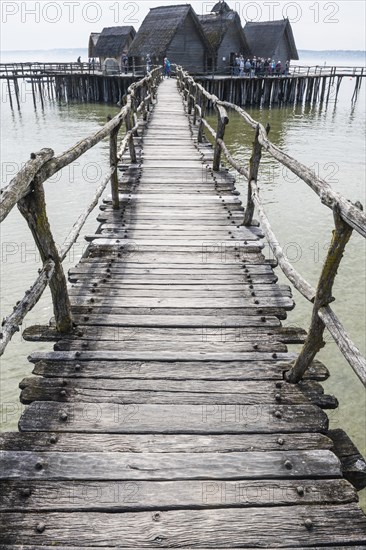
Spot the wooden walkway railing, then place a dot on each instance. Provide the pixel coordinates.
(347, 217)
(26, 191)
(164, 420)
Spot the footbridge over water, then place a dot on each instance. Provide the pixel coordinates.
(170, 413)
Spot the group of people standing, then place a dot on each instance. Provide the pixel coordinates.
(259, 66)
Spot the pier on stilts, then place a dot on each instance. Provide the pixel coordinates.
(83, 82)
(170, 412)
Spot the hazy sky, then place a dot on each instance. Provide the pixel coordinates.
(319, 25)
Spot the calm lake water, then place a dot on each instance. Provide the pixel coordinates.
(330, 140)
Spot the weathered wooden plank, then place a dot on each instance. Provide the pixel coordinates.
(160, 443)
(158, 391)
(168, 466)
(32, 547)
(353, 463)
(167, 267)
(145, 418)
(179, 370)
(218, 335)
(185, 302)
(115, 347)
(219, 322)
(333, 524)
(108, 288)
(154, 495)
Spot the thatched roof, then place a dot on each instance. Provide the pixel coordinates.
(159, 27)
(113, 41)
(216, 25)
(221, 7)
(93, 39)
(264, 37)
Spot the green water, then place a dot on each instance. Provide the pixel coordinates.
(330, 140)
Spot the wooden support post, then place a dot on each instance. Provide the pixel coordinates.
(33, 208)
(131, 145)
(190, 100)
(220, 133)
(203, 114)
(194, 104)
(253, 175)
(9, 92)
(113, 161)
(314, 341)
(16, 89)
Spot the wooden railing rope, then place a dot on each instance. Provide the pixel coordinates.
(347, 217)
(26, 190)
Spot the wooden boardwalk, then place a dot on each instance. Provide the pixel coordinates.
(164, 420)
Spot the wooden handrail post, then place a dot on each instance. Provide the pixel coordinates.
(190, 100)
(113, 161)
(131, 145)
(314, 341)
(203, 114)
(253, 175)
(222, 121)
(194, 104)
(33, 208)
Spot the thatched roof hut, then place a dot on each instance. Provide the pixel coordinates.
(113, 42)
(225, 34)
(93, 39)
(272, 39)
(174, 32)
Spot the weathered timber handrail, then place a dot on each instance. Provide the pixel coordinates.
(351, 213)
(26, 190)
(10, 324)
(19, 185)
(347, 217)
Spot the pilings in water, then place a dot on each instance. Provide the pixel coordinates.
(70, 87)
(243, 91)
(276, 90)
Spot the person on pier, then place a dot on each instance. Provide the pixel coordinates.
(125, 62)
(166, 67)
(148, 63)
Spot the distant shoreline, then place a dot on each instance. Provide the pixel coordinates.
(361, 53)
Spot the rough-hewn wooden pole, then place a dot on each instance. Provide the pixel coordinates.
(131, 145)
(203, 114)
(314, 341)
(33, 208)
(253, 175)
(113, 161)
(222, 121)
(194, 104)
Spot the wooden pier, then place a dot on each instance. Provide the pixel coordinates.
(84, 83)
(168, 416)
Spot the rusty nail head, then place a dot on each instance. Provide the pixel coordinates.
(288, 465)
(63, 416)
(263, 319)
(278, 384)
(39, 465)
(25, 492)
(77, 366)
(280, 441)
(278, 397)
(63, 393)
(308, 523)
(274, 355)
(300, 490)
(53, 439)
(278, 414)
(40, 527)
